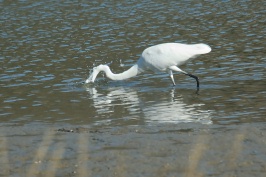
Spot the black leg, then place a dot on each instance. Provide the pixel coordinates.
(195, 77)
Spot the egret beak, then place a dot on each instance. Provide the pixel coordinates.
(92, 76)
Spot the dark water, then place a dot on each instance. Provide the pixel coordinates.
(49, 47)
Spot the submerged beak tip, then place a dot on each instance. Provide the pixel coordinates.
(89, 80)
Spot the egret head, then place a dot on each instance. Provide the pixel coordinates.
(94, 73)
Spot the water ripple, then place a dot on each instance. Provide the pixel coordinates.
(49, 48)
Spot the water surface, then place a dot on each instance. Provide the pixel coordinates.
(48, 49)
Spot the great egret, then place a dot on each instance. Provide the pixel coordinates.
(162, 57)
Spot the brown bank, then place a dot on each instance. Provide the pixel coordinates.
(169, 150)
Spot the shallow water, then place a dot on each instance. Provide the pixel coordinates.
(48, 49)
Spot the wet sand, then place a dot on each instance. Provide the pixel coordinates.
(162, 150)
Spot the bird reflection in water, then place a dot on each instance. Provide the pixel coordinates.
(169, 110)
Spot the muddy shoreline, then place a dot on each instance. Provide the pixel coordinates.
(163, 150)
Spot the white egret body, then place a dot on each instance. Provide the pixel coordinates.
(163, 57)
